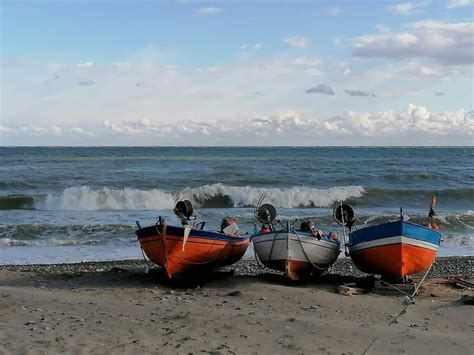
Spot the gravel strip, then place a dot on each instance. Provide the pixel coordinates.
(443, 267)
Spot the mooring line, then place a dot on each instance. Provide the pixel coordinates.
(372, 343)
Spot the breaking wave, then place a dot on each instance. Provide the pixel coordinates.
(84, 198)
(219, 195)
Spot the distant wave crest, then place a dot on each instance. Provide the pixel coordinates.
(220, 195)
(84, 198)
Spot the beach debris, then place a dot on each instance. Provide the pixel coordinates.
(313, 306)
(350, 289)
(234, 293)
(459, 282)
(467, 299)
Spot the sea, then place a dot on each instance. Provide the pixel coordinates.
(74, 204)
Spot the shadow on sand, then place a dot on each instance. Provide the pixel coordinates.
(157, 278)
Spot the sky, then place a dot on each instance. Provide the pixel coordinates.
(236, 72)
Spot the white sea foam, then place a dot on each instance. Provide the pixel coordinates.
(87, 199)
(292, 197)
(83, 198)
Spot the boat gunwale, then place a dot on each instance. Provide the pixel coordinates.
(431, 246)
(401, 233)
(294, 232)
(151, 231)
(156, 238)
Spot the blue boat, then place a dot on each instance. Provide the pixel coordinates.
(395, 249)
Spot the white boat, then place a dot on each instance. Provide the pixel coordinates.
(297, 251)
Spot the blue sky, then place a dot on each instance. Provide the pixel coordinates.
(237, 72)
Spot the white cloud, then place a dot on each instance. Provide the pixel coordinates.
(407, 8)
(198, 96)
(81, 132)
(454, 4)
(413, 71)
(297, 41)
(429, 71)
(309, 64)
(209, 10)
(382, 28)
(254, 46)
(34, 130)
(308, 61)
(279, 128)
(85, 65)
(414, 119)
(448, 43)
(4, 129)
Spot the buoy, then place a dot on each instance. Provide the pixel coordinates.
(334, 236)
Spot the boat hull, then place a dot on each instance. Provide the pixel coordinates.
(202, 251)
(395, 249)
(296, 254)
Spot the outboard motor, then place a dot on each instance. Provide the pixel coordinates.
(266, 214)
(184, 210)
(344, 215)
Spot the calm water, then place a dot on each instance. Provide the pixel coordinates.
(75, 204)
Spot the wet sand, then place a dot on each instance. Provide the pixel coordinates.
(121, 307)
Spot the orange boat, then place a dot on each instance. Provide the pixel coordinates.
(395, 249)
(187, 249)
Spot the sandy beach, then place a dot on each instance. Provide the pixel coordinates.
(123, 307)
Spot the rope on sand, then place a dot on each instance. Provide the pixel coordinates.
(409, 298)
